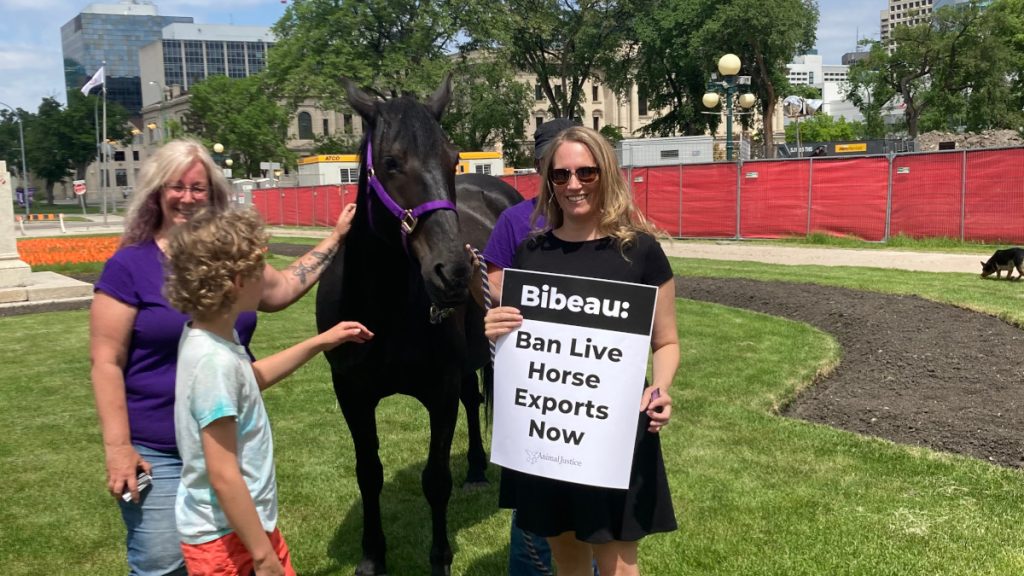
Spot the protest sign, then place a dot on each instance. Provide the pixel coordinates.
(568, 382)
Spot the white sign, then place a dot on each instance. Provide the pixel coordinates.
(569, 381)
(79, 187)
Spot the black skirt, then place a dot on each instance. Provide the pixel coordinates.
(597, 515)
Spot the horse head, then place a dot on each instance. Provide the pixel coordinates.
(413, 198)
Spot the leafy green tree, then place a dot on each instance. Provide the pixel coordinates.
(488, 106)
(669, 70)
(823, 128)
(784, 29)
(240, 114)
(612, 133)
(61, 141)
(393, 46)
(10, 138)
(955, 71)
(563, 43)
(335, 144)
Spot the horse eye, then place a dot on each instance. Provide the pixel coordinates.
(391, 164)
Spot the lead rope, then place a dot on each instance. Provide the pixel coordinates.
(486, 284)
(531, 551)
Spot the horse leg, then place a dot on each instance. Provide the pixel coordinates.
(437, 475)
(362, 424)
(475, 456)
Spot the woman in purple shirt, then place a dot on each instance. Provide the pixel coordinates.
(134, 335)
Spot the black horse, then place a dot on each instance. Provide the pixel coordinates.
(404, 273)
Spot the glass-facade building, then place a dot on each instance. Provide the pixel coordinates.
(112, 33)
(191, 53)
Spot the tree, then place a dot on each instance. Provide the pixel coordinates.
(10, 138)
(563, 43)
(612, 133)
(336, 144)
(666, 66)
(952, 72)
(239, 113)
(399, 47)
(393, 46)
(784, 29)
(490, 106)
(61, 141)
(823, 128)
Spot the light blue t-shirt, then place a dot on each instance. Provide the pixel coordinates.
(215, 380)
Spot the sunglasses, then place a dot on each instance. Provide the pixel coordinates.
(585, 174)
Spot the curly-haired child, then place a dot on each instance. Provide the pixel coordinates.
(226, 506)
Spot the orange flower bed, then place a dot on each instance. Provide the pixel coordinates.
(72, 250)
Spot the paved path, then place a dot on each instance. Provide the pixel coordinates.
(734, 250)
(899, 259)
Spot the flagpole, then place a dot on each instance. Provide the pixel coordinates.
(96, 123)
(104, 179)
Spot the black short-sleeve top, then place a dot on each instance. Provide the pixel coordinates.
(641, 261)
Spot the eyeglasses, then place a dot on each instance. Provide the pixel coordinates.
(181, 189)
(585, 174)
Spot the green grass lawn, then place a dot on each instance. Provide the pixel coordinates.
(755, 494)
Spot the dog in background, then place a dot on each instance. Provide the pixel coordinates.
(1007, 259)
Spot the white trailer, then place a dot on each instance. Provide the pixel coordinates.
(668, 151)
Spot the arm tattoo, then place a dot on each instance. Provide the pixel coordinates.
(320, 260)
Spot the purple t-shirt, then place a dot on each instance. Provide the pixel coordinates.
(135, 275)
(512, 228)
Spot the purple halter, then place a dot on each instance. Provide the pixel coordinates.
(408, 218)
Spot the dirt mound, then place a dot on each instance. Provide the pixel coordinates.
(929, 141)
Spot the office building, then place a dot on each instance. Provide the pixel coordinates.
(185, 54)
(112, 34)
(903, 12)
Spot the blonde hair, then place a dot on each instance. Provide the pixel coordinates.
(145, 217)
(206, 254)
(619, 217)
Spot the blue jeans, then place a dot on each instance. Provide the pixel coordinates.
(528, 554)
(154, 548)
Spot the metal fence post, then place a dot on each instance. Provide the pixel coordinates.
(888, 199)
(739, 195)
(963, 196)
(679, 200)
(810, 194)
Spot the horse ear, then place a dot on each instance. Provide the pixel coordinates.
(438, 101)
(360, 101)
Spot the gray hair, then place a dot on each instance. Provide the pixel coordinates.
(144, 217)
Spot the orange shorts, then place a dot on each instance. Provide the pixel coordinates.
(227, 556)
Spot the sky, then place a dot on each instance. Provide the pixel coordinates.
(31, 65)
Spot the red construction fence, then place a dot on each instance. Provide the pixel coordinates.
(971, 195)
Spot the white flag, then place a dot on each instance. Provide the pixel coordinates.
(97, 79)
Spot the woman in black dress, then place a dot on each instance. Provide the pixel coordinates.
(594, 230)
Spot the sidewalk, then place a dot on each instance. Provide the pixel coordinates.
(731, 250)
(93, 224)
(737, 250)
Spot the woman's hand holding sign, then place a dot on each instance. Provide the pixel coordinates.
(658, 405)
(501, 320)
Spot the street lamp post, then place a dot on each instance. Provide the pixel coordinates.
(24, 170)
(223, 161)
(728, 67)
(163, 118)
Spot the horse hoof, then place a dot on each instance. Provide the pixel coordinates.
(368, 567)
(440, 571)
(472, 485)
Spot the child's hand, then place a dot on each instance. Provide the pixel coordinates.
(501, 320)
(344, 223)
(345, 332)
(271, 567)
